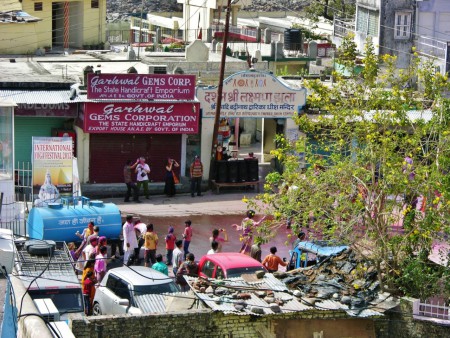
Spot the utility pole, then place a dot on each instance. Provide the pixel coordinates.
(140, 29)
(220, 86)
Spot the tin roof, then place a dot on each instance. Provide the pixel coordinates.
(160, 303)
(38, 96)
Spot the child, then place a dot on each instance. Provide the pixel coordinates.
(150, 244)
(272, 261)
(88, 292)
(170, 245)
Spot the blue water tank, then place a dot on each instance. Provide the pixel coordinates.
(60, 223)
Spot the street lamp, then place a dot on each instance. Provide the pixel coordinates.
(220, 86)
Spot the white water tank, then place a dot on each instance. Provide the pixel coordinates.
(6, 250)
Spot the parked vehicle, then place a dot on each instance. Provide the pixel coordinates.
(227, 265)
(46, 269)
(133, 290)
(311, 253)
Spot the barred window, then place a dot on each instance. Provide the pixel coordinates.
(367, 21)
(402, 25)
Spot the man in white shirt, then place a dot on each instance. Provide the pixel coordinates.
(177, 256)
(141, 229)
(129, 239)
(214, 247)
(142, 170)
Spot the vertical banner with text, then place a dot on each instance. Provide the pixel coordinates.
(52, 169)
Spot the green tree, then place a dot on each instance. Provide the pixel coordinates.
(375, 168)
(329, 9)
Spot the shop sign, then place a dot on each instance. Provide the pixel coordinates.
(141, 87)
(52, 169)
(252, 94)
(46, 109)
(141, 118)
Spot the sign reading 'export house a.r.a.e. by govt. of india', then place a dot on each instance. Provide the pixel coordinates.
(252, 94)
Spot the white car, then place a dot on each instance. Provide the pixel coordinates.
(134, 290)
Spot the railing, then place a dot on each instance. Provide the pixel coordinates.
(341, 28)
(434, 309)
(118, 36)
(432, 47)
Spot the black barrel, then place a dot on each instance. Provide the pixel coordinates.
(252, 170)
(221, 171)
(233, 171)
(242, 165)
(292, 39)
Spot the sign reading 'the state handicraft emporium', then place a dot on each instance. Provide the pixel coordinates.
(141, 87)
(141, 118)
(252, 94)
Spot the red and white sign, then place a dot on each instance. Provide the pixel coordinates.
(141, 86)
(252, 94)
(141, 118)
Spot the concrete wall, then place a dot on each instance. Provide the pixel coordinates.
(209, 324)
(19, 38)
(399, 323)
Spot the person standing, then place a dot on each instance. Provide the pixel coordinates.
(129, 239)
(300, 237)
(129, 181)
(170, 178)
(170, 245)
(150, 244)
(88, 292)
(214, 247)
(177, 259)
(160, 266)
(142, 170)
(196, 171)
(216, 238)
(272, 261)
(255, 251)
(187, 235)
(141, 229)
(248, 226)
(100, 264)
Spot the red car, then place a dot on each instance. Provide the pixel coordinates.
(227, 265)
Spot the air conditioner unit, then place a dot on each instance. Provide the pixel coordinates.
(160, 69)
(47, 309)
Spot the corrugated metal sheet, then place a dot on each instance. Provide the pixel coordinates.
(291, 303)
(156, 303)
(39, 96)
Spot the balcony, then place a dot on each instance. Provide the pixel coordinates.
(432, 47)
(341, 28)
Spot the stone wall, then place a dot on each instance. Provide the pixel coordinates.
(399, 323)
(198, 324)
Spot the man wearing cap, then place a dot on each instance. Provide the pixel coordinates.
(196, 176)
(129, 239)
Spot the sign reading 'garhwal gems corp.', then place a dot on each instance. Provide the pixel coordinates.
(252, 94)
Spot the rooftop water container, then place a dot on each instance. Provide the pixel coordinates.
(60, 221)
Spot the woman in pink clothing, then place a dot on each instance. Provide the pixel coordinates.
(248, 226)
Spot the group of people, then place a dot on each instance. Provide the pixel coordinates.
(91, 258)
(142, 171)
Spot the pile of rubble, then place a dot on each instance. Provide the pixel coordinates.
(344, 278)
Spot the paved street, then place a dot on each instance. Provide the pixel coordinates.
(207, 212)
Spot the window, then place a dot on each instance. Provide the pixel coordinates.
(402, 25)
(367, 21)
(38, 6)
(94, 3)
(208, 268)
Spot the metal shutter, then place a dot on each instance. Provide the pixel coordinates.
(109, 152)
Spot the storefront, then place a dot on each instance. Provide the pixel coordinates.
(119, 129)
(39, 113)
(256, 105)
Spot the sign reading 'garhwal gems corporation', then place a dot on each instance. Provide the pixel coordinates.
(141, 86)
(141, 118)
(252, 94)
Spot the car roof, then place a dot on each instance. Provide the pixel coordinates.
(232, 260)
(140, 275)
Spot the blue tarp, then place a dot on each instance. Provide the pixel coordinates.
(322, 248)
